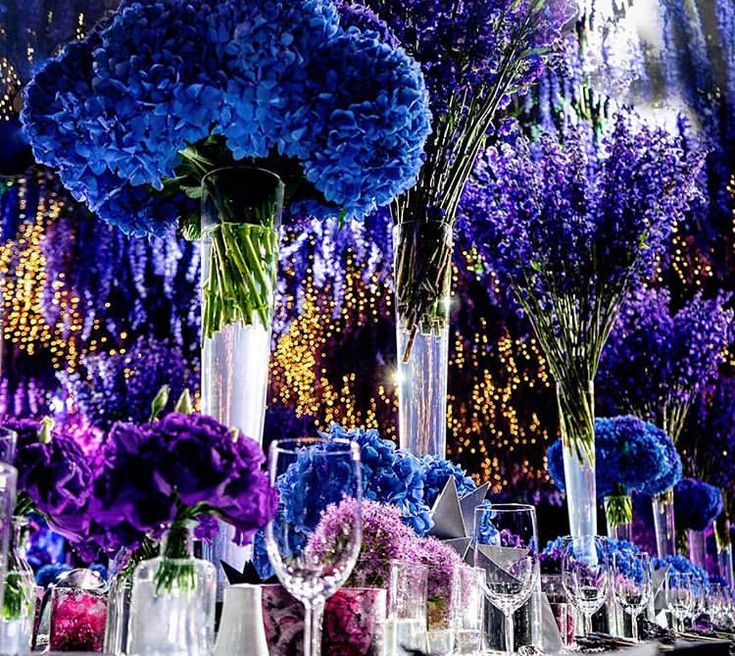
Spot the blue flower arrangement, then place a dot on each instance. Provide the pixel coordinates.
(389, 476)
(552, 554)
(682, 565)
(122, 113)
(632, 455)
(697, 504)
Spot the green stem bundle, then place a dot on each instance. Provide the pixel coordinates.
(240, 276)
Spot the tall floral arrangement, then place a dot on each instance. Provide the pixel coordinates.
(135, 114)
(571, 222)
(475, 55)
(676, 352)
(631, 456)
(697, 503)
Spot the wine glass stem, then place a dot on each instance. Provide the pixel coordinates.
(634, 628)
(509, 637)
(313, 628)
(587, 624)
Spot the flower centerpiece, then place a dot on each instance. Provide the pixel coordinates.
(675, 353)
(697, 504)
(163, 103)
(631, 456)
(475, 56)
(571, 222)
(390, 476)
(53, 479)
(138, 114)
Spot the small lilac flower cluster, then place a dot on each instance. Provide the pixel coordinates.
(117, 111)
(384, 538)
(697, 504)
(109, 388)
(676, 354)
(631, 455)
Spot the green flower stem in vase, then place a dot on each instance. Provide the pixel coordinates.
(619, 515)
(19, 601)
(240, 224)
(173, 599)
(577, 420)
(423, 271)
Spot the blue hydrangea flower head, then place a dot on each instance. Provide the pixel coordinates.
(114, 111)
(631, 455)
(697, 504)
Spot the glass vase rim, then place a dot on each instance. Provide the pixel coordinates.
(293, 446)
(7, 471)
(508, 507)
(242, 167)
(4, 430)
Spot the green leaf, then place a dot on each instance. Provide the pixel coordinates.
(159, 402)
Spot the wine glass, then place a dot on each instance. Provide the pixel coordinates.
(506, 548)
(680, 596)
(717, 602)
(314, 550)
(633, 584)
(585, 574)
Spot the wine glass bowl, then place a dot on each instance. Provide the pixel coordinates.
(632, 584)
(680, 595)
(506, 547)
(585, 574)
(314, 540)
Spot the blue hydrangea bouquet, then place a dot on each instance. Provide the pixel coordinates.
(162, 92)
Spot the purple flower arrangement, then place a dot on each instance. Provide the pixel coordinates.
(675, 354)
(475, 55)
(144, 478)
(571, 222)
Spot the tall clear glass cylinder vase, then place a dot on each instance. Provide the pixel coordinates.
(724, 549)
(240, 225)
(423, 274)
(664, 523)
(697, 548)
(619, 516)
(577, 421)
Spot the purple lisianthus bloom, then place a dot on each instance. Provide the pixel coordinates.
(199, 456)
(57, 477)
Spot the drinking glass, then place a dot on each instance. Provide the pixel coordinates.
(506, 548)
(679, 596)
(442, 608)
(717, 603)
(585, 575)
(8, 442)
(471, 616)
(407, 603)
(308, 569)
(8, 479)
(632, 584)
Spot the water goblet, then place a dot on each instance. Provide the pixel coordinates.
(680, 596)
(308, 564)
(506, 548)
(585, 574)
(632, 584)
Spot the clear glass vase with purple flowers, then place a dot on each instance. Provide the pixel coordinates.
(19, 602)
(173, 600)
